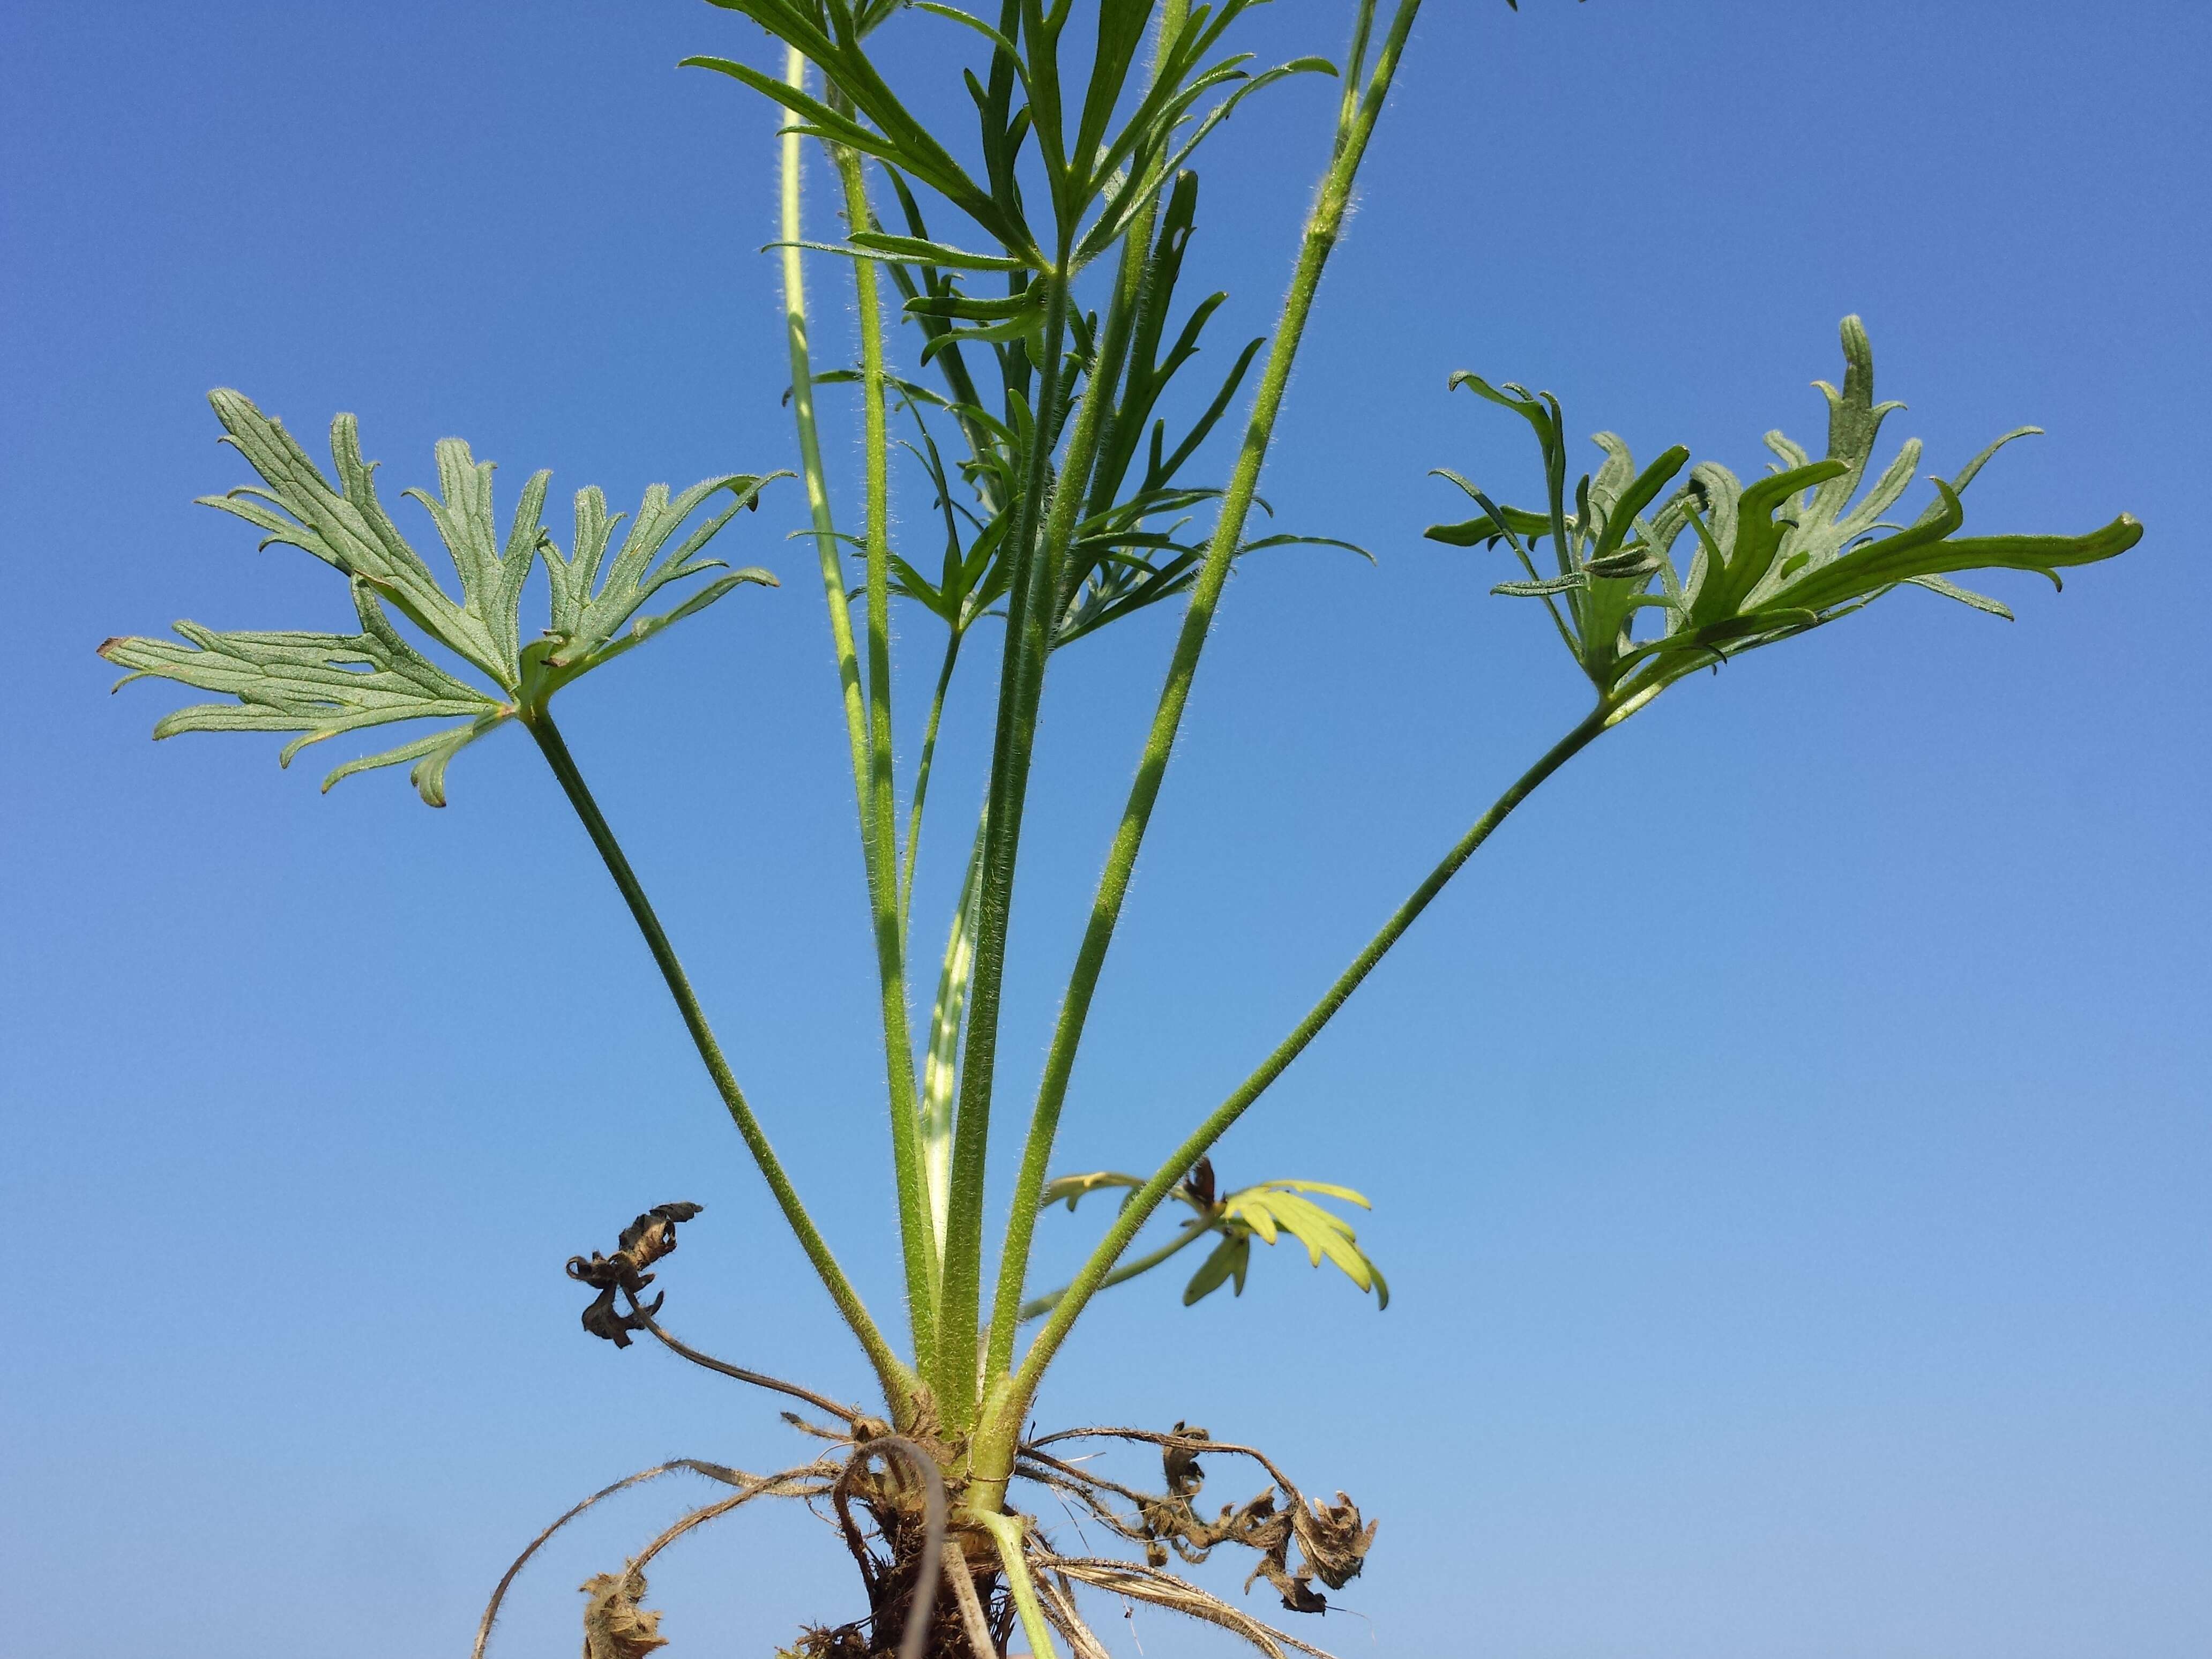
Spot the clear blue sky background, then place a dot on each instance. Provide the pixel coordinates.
(1789, 1140)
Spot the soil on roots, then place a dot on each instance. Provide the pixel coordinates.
(890, 1571)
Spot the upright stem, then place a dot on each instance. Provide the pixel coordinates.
(897, 1381)
(1193, 1230)
(1006, 1532)
(852, 696)
(1029, 624)
(1323, 226)
(1140, 1206)
(1090, 424)
(917, 1239)
(917, 1236)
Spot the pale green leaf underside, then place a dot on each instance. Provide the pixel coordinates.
(322, 685)
(318, 685)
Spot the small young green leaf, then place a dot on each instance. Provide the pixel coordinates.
(1072, 1189)
(1231, 1259)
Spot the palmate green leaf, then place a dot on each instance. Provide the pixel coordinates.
(321, 685)
(1808, 544)
(347, 528)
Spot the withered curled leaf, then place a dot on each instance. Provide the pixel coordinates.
(1180, 1462)
(640, 1244)
(1303, 1597)
(1333, 1541)
(1200, 1184)
(615, 1625)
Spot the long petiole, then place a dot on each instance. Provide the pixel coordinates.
(1193, 1230)
(1029, 625)
(852, 695)
(896, 1380)
(917, 1240)
(1139, 1207)
(1323, 226)
(917, 1236)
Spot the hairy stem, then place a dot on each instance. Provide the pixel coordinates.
(1193, 1231)
(917, 1235)
(1323, 226)
(897, 1383)
(917, 1244)
(758, 1379)
(854, 698)
(1082, 454)
(1029, 625)
(1140, 1208)
(1006, 1532)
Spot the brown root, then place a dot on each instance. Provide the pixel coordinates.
(1332, 1540)
(889, 1502)
(792, 1483)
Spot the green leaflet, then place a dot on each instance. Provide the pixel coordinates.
(1269, 1211)
(1126, 553)
(1807, 544)
(317, 684)
(321, 685)
(1096, 174)
(1072, 1189)
(1274, 1208)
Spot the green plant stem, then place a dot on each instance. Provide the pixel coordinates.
(1193, 1229)
(917, 1233)
(1006, 1532)
(1028, 637)
(897, 1381)
(851, 694)
(917, 1238)
(922, 774)
(1090, 422)
(1140, 1208)
(1324, 225)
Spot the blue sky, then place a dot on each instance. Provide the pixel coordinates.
(1788, 1139)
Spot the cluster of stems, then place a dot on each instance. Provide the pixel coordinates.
(962, 1379)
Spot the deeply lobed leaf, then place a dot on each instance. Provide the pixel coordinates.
(1801, 547)
(321, 685)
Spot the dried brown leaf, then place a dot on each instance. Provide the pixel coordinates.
(640, 1244)
(615, 1625)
